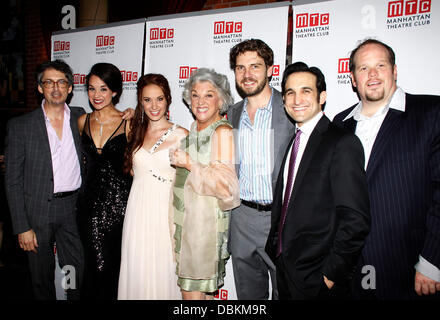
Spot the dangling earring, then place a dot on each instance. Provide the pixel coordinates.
(142, 120)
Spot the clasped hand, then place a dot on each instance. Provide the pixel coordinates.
(180, 158)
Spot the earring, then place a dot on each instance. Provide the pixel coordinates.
(142, 119)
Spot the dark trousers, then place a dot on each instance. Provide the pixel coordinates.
(287, 290)
(60, 227)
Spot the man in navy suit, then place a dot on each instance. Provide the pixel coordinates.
(400, 134)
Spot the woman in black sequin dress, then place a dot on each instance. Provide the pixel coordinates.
(105, 189)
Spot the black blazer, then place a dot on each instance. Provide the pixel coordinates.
(29, 174)
(328, 214)
(403, 176)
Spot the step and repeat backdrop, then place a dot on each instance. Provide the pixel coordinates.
(176, 46)
(121, 44)
(324, 33)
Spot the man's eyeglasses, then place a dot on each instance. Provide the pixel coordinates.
(50, 83)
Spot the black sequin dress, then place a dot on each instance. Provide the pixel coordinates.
(101, 208)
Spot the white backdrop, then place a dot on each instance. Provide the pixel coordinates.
(120, 44)
(325, 32)
(179, 44)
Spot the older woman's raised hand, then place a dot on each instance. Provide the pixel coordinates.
(180, 158)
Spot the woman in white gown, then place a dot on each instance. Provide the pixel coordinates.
(147, 262)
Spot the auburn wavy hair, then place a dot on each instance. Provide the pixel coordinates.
(139, 122)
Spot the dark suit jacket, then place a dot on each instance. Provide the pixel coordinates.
(29, 175)
(281, 124)
(403, 176)
(328, 215)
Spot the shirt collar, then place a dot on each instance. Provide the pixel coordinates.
(267, 108)
(397, 102)
(310, 125)
(66, 111)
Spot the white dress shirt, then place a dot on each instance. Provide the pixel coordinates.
(367, 128)
(306, 130)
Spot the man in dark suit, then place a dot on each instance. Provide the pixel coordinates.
(42, 179)
(263, 132)
(320, 214)
(400, 134)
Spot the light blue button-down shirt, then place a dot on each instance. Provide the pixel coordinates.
(255, 154)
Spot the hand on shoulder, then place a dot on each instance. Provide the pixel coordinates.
(224, 132)
(182, 132)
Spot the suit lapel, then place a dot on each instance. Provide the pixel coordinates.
(234, 119)
(277, 120)
(76, 137)
(236, 115)
(279, 186)
(383, 138)
(40, 124)
(312, 145)
(283, 130)
(75, 132)
(350, 124)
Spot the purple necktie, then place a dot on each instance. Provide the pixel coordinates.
(289, 186)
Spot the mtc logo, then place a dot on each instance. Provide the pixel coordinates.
(304, 20)
(276, 70)
(161, 33)
(185, 72)
(79, 78)
(61, 46)
(408, 7)
(104, 41)
(344, 65)
(128, 76)
(222, 294)
(222, 27)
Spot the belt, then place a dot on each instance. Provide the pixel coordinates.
(258, 206)
(64, 194)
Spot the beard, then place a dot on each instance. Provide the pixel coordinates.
(252, 92)
(375, 96)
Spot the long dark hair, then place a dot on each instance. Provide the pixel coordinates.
(139, 123)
